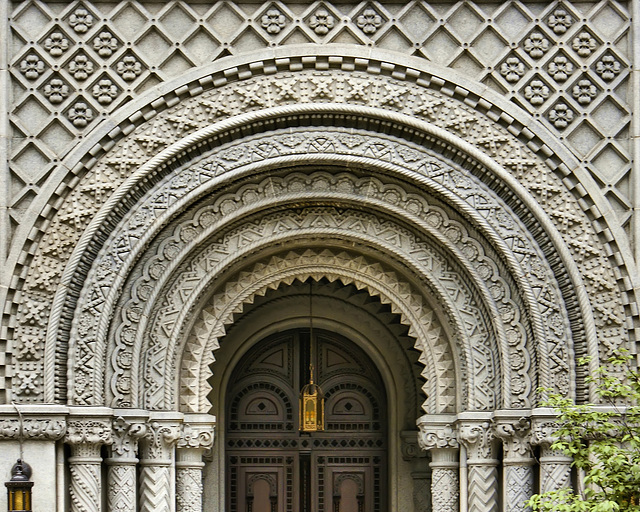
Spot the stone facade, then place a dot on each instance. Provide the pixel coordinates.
(459, 178)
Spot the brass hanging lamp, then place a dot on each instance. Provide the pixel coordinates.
(311, 396)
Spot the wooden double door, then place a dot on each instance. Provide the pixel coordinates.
(271, 465)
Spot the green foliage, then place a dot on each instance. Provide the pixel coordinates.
(604, 442)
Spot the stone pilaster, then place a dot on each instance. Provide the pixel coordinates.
(517, 461)
(157, 484)
(555, 466)
(128, 427)
(477, 437)
(86, 434)
(440, 439)
(196, 437)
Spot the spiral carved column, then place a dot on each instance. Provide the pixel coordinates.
(86, 436)
(121, 476)
(196, 437)
(479, 440)
(517, 461)
(441, 441)
(555, 466)
(157, 485)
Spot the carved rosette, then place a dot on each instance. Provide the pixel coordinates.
(555, 466)
(194, 440)
(121, 475)
(156, 483)
(86, 436)
(441, 441)
(517, 462)
(480, 442)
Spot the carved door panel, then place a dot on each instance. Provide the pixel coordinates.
(271, 465)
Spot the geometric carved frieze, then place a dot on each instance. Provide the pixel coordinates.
(440, 109)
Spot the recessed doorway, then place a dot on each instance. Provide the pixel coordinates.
(271, 465)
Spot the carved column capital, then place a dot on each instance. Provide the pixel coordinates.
(94, 431)
(437, 432)
(516, 439)
(411, 447)
(479, 440)
(126, 434)
(196, 435)
(159, 440)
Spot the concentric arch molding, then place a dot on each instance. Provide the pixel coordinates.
(520, 253)
(532, 157)
(239, 204)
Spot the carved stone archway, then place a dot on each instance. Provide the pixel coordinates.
(482, 234)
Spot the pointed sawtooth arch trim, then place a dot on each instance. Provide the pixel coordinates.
(538, 147)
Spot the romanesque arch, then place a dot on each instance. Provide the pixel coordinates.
(482, 234)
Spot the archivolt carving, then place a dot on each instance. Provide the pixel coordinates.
(405, 300)
(168, 316)
(485, 209)
(475, 121)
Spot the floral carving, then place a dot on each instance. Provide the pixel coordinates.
(560, 21)
(105, 91)
(105, 44)
(273, 21)
(608, 67)
(81, 67)
(437, 437)
(584, 92)
(561, 115)
(584, 44)
(321, 22)
(80, 114)
(512, 69)
(536, 92)
(129, 68)
(89, 431)
(31, 67)
(195, 437)
(56, 44)
(81, 20)
(369, 21)
(560, 68)
(56, 91)
(536, 45)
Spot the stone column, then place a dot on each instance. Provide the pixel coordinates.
(517, 461)
(477, 437)
(86, 435)
(555, 466)
(438, 437)
(128, 428)
(157, 484)
(196, 437)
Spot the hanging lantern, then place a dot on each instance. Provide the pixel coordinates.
(311, 397)
(19, 488)
(311, 407)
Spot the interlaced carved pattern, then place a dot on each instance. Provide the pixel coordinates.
(426, 104)
(453, 178)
